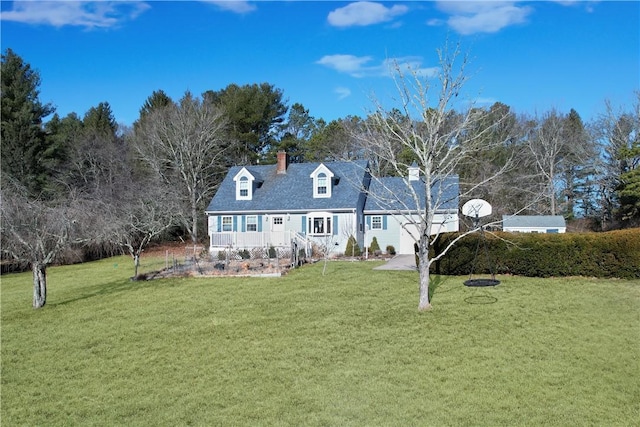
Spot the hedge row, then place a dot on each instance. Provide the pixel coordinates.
(611, 254)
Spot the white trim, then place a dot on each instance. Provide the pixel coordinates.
(244, 175)
(315, 175)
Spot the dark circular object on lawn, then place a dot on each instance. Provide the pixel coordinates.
(481, 282)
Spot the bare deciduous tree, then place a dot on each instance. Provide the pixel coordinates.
(548, 148)
(421, 126)
(184, 145)
(134, 222)
(37, 233)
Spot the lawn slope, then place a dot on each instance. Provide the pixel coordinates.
(347, 348)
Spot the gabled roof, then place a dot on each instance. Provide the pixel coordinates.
(392, 194)
(533, 221)
(255, 174)
(293, 190)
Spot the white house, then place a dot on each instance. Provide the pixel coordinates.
(318, 203)
(534, 224)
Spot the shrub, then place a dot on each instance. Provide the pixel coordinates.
(611, 254)
(352, 249)
(375, 247)
(391, 250)
(244, 254)
(272, 252)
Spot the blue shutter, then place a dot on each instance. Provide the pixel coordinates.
(304, 224)
(369, 222)
(335, 225)
(260, 223)
(384, 222)
(235, 223)
(219, 223)
(244, 224)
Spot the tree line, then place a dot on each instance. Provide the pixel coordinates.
(84, 185)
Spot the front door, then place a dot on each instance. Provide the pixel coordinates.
(277, 231)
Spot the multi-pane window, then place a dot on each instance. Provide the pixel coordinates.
(376, 223)
(277, 220)
(320, 225)
(244, 187)
(252, 223)
(322, 183)
(227, 223)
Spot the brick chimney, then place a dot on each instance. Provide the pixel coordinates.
(282, 162)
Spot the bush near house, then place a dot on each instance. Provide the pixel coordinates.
(374, 249)
(611, 254)
(352, 248)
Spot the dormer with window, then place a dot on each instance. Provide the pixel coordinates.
(322, 182)
(244, 184)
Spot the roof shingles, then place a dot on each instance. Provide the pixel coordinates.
(293, 190)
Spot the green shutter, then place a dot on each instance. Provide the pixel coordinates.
(235, 223)
(244, 224)
(260, 223)
(384, 222)
(335, 225)
(304, 224)
(219, 223)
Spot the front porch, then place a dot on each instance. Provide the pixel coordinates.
(220, 241)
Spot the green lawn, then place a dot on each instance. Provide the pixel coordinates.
(347, 348)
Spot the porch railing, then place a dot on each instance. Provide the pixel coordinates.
(251, 239)
(265, 239)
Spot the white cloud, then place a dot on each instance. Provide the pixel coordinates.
(364, 13)
(236, 6)
(350, 64)
(409, 65)
(483, 16)
(358, 66)
(75, 13)
(342, 92)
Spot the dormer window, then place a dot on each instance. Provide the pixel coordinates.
(244, 187)
(244, 184)
(322, 181)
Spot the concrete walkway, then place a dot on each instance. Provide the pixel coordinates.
(400, 262)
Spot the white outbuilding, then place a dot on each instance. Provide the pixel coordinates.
(534, 224)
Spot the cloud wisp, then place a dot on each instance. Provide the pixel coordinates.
(342, 92)
(364, 13)
(235, 6)
(482, 17)
(86, 14)
(362, 66)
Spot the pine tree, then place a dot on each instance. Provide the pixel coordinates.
(23, 139)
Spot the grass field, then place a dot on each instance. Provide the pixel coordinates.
(345, 349)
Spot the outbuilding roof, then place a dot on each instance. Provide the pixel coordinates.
(533, 221)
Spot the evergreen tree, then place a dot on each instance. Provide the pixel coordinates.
(254, 112)
(352, 248)
(24, 145)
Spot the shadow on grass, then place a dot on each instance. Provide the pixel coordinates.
(435, 282)
(483, 298)
(105, 289)
(480, 296)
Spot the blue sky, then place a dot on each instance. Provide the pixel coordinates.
(329, 56)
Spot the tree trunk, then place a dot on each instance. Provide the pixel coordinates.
(39, 284)
(136, 264)
(194, 218)
(423, 267)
